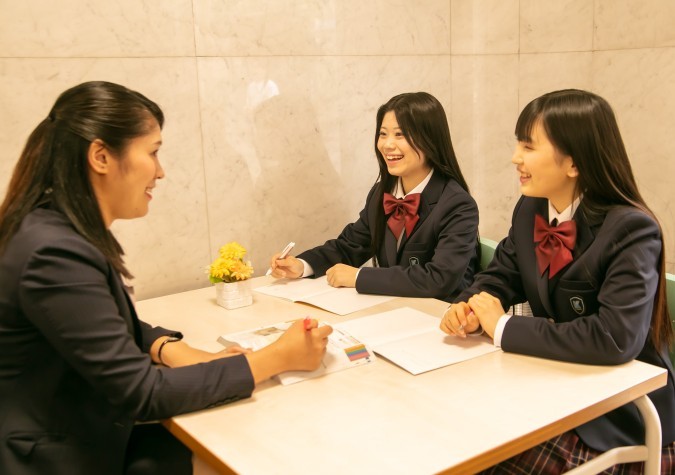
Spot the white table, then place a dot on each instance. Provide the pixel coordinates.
(378, 418)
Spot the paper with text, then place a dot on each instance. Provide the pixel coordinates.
(343, 350)
(317, 292)
(412, 340)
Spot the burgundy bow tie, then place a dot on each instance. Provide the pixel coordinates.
(554, 244)
(403, 213)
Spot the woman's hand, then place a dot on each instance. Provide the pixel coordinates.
(341, 275)
(289, 267)
(298, 349)
(459, 320)
(488, 309)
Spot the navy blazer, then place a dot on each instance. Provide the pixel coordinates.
(437, 260)
(597, 310)
(74, 370)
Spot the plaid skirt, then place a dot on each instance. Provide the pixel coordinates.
(567, 451)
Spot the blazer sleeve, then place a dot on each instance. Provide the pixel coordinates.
(502, 277)
(351, 247)
(453, 237)
(624, 256)
(64, 292)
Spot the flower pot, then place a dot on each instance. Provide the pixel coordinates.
(234, 294)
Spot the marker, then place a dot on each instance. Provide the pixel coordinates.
(307, 323)
(283, 254)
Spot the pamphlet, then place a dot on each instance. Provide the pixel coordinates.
(343, 350)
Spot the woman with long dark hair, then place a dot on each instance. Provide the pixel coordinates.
(587, 253)
(419, 224)
(77, 366)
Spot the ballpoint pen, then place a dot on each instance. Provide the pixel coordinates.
(283, 254)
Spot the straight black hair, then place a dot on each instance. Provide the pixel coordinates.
(53, 165)
(424, 125)
(582, 125)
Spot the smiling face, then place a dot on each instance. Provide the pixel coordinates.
(401, 158)
(124, 184)
(544, 171)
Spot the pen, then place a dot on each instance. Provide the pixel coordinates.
(283, 254)
(307, 323)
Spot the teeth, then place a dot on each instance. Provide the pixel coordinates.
(394, 157)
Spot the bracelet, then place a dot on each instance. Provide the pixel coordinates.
(171, 339)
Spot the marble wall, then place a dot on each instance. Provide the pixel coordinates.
(270, 105)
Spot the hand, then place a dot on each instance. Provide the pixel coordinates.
(488, 309)
(459, 320)
(296, 350)
(288, 267)
(304, 349)
(341, 275)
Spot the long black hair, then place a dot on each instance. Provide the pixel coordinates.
(582, 125)
(53, 165)
(424, 125)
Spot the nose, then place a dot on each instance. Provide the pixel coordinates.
(159, 171)
(516, 158)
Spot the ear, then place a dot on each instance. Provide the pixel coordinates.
(98, 157)
(572, 170)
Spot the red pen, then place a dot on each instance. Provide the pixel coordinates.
(307, 322)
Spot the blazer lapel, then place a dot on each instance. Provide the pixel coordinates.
(430, 196)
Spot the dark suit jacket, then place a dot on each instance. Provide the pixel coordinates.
(437, 260)
(597, 309)
(74, 368)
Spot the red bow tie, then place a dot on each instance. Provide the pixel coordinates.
(403, 213)
(554, 244)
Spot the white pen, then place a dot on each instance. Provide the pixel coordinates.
(283, 254)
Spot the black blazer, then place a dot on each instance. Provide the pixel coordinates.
(74, 368)
(597, 310)
(437, 260)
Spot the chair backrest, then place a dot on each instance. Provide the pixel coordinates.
(487, 250)
(670, 290)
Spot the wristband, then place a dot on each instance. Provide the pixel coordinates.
(171, 339)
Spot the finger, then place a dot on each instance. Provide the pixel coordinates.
(324, 331)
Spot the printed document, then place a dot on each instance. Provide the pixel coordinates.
(317, 292)
(412, 340)
(343, 350)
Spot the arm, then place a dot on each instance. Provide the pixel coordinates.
(65, 293)
(352, 246)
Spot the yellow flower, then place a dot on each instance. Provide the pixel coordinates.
(232, 250)
(229, 266)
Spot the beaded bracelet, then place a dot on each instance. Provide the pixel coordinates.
(171, 339)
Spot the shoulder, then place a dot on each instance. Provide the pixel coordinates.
(622, 221)
(46, 231)
(453, 194)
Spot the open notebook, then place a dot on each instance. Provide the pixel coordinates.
(412, 340)
(317, 292)
(343, 350)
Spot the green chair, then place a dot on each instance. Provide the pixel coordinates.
(670, 290)
(487, 250)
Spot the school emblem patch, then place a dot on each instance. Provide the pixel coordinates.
(577, 304)
(414, 261)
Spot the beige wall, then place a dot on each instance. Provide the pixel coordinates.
(270, 105)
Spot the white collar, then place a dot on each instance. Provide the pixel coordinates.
(564, 215)
(398, 189)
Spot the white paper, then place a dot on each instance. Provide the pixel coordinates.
(317, 292)
(412, 340)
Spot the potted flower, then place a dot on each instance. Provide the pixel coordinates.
(230, 274)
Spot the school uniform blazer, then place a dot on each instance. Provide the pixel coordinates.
(597, 310)
(438, 259)
(74, 368)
